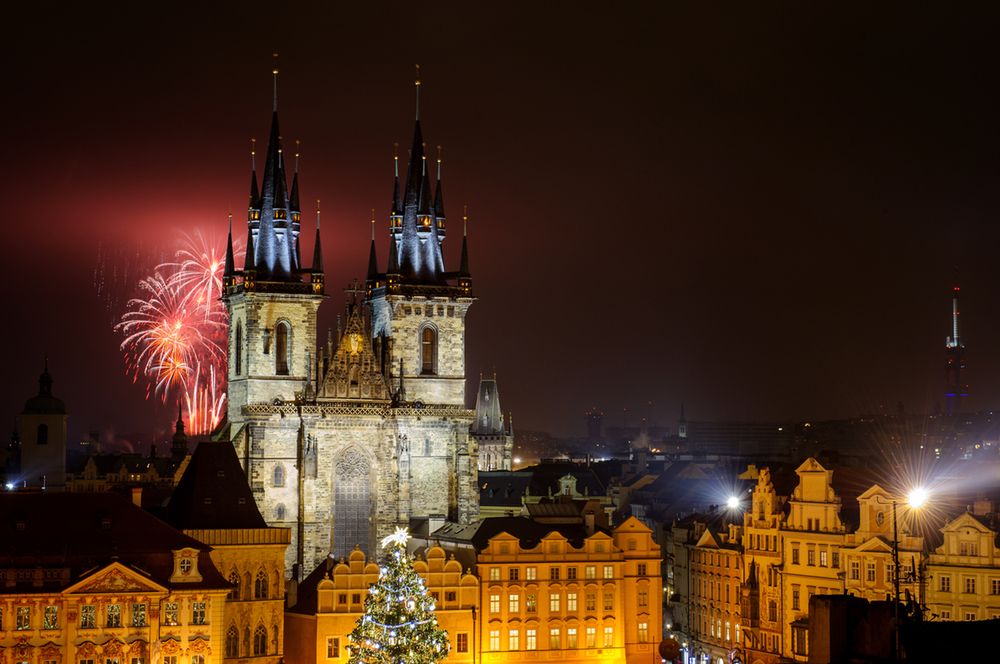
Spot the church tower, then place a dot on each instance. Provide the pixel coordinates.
(272, 307)
(43, 438)
(345, 441)
(494, 437)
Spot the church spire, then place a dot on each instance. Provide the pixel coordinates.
(439, 197)
(316, 276)
(230, 269)
(464, 275)
(254, 204)
(372, 258)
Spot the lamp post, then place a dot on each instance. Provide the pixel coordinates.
(915, 499)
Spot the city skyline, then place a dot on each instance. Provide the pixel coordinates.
(809, 196)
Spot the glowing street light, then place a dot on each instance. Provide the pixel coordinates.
(917, 497)
(733, 502)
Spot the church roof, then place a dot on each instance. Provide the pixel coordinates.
(44, 403)
(213, 493)
(489, 417)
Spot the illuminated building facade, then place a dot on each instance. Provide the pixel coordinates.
(213, 504)
(761, 592)
(963, 573)
(716, 596)
(330, 601)
(599, 599)
(347, 440)
(955, 389)
(127, 588)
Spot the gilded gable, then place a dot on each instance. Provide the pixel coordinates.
(354, 372)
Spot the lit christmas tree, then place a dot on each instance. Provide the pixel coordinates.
(398, 625)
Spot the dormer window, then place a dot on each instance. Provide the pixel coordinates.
(185, 566)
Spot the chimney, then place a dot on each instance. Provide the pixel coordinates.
(137, 496)
(588, 520)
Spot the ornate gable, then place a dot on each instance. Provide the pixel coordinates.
(354, 371)
(114, 579)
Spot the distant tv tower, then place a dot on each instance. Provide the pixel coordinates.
(955, 389)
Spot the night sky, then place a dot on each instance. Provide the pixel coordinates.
(756, 212)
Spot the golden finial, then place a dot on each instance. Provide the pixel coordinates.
(395, 158)
(297, 144)
(253, 153)
(373, 224)
(465, 220)
(439, 162)
(317, 214)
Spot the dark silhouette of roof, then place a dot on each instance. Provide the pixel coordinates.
(84, 531)
(527, 531)
(307, 592)
(213, 493)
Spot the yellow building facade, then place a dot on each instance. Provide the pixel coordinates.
(963, 573)
(91, 579)
(763, 555)
(716, 597)
(598, 601)
(331, 600)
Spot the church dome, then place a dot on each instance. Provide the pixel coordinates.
(44, 403)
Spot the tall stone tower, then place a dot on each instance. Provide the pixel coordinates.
(43, 438)
(345, 441)
(494, 437)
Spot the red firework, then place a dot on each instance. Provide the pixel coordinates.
(175, 333)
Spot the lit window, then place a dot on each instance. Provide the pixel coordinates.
(494, 639)
(88, 616)
(591, 602)
(571, 601)
(513, 640)
(609, 601)
(514, 603)
(609, 636)
(530, 639)
(50, 619)
(590, 571)
(198, 613)
(810, 556)
(171, 613)
(138, 615)
(609, 572)
(531, 573)
(23, 618)
(591, 637)
(494, 574)
(555, 639)
(644, 631)
(571, 638)
(495, 603)
(531, 602)
(554, 602)
(114, 615)
(822, 558)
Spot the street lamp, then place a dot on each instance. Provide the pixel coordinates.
(915, 499)
(732, 502)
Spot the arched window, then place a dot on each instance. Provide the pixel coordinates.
(197, 659)
(279, 475)
(43, 434)
(238, 348)
(232, 642)
(260, 641)
(260, 586)
(428, 351)
(279, 512)
(282, 348)
(274, 638)
(246, 640)
(234, 592)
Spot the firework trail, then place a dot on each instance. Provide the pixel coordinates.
(174, 332)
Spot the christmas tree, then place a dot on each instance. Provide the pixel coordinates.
(398, 625)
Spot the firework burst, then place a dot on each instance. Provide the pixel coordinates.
(174, 332)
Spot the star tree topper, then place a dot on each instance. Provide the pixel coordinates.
(400, 537)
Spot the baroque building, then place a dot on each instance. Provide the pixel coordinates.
(347, 440)
(94, 578)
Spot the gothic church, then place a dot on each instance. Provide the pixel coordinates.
(347, 440)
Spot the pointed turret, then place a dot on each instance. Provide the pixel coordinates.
(179, 444)
(317, 265)
(230, 270)
(464, 275)
(439, 199)
(372, 257)
(253, 207)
